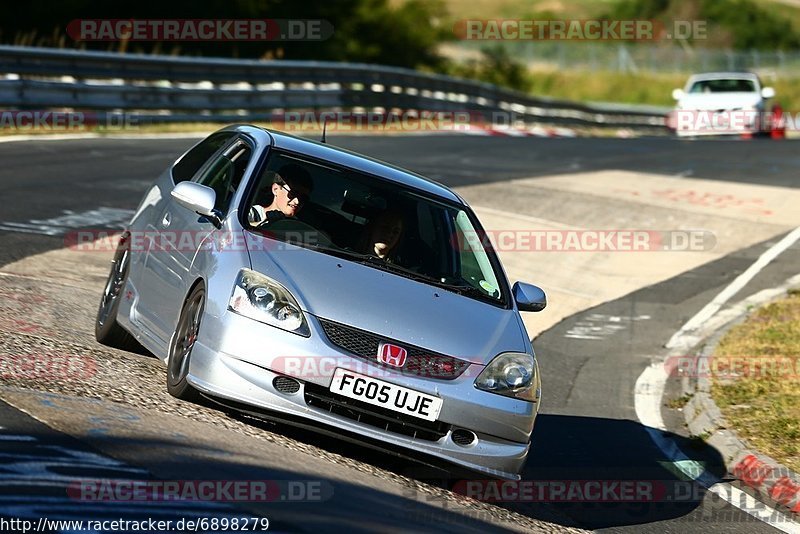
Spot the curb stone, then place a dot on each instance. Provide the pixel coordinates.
(769, 478)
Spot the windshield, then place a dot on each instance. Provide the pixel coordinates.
(728, 85)
(375, 222)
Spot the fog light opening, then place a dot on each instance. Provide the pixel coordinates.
(286, 385)
(463, 438)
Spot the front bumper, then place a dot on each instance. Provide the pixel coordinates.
(238, 359)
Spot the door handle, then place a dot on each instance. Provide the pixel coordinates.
(167, 219)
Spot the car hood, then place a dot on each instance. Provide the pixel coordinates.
(389, 305)
(718, 101)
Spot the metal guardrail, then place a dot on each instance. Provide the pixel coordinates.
(167, 88)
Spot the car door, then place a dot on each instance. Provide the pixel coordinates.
(177, 233)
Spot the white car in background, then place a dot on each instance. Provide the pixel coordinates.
(721, 103)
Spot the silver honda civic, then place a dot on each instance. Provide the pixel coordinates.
(312, 285)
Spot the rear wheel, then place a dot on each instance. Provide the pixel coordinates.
(180, 349)
(106, 329)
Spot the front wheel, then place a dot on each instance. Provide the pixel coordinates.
(180, 349)
(106, 329)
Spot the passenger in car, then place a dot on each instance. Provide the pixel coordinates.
(383, 234)
(291, 187)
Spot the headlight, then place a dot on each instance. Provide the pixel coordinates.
(263, 299)
(512, 374)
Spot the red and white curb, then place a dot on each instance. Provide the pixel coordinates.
(771, 480)
(768, 478)
(475, 130)
(540, 131)
(520, 132)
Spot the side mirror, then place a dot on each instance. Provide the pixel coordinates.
(197, 198)
(677, 94)
(767, 92)
(529, 297)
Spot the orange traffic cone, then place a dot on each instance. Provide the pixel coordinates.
(778, 130)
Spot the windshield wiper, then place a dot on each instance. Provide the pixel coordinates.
(468, 289)
(374, 261)
(340, 252)
(459, 288)
(463, 289)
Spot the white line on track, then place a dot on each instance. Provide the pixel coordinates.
(649, 393)
(713, 307)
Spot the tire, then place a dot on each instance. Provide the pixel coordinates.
(180, 348)
(106, 329)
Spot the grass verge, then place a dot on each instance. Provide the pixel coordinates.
(756, 379)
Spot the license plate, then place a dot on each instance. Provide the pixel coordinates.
(385, 394)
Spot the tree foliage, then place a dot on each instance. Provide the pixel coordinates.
(751, 25)
(373, 31)
(495, 66)
(739, 24)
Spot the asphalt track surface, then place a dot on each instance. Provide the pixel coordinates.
(588, 428)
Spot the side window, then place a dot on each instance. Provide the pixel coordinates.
(225, 173)
(193, 160)
(475, 267)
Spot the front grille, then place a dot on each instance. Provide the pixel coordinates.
(320, 397)
(419, 362)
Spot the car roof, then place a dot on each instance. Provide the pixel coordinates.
(355, 161)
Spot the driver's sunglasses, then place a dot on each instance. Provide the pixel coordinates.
(303, 198)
